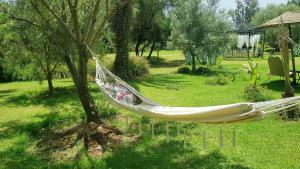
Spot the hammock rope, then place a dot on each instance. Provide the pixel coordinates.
(122, 95)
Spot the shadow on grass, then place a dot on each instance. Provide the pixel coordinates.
(165, 155)
(145, 154)
(162, 63)
(278, 85)
(4, 93)
(159, 81)
(62, 95)
(27, 148)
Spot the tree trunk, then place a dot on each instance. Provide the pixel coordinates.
(121, 24)
(86, 99)
(193, 63)
(50, 84)
(152, 48)
(137, 46)
(80, 81)
(144, 47)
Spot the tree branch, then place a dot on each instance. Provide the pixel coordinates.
(74, 16)
(93, 20)
(12, 16)
(105, 20)
(58, 18)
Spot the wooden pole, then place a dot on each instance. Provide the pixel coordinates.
(293, 57)
(248, 48)
(284, 47)
(263, 45)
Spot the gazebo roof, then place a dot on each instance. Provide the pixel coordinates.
(286, 18)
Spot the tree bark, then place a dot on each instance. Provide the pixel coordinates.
(86, 99)
(193, 63)
(50, 84)
(151, 50)
(144, 47)
(121, 24)
(137, 46)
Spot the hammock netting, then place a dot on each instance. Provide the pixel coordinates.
(122, 95)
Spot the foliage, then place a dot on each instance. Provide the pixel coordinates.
(184, 70)
(291, 114)
(106, 109)
(150, 25)
(254, 71)
(217, 80)
(245, 10)
(232, 42)
(256, 94)
(270, 12)
(296, 2)
(139, 66)
(196, 28)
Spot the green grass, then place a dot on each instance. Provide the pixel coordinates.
(26, 113)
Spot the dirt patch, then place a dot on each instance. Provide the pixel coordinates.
(96, 139)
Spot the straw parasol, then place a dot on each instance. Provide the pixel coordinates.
(288, 19)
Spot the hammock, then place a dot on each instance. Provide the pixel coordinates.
(122, 95)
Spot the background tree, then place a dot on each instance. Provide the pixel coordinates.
(245, 10)
(121, 27)
(270, 12)
(151, 26)
(296, 2)
(198, 29)
(34, 45)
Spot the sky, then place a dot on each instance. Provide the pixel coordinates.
(228, 4)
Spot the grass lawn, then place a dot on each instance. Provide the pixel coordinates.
(26, 113)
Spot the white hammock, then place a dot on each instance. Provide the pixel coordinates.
(120, 94)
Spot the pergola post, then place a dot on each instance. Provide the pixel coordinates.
(293, 56)
(263, 44)
(248, 47)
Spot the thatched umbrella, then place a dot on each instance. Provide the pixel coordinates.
(288, 19)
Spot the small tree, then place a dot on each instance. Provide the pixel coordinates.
(198, 29)
(245, 10)
(151, 26)
(80, 25)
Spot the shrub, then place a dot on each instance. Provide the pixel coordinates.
(106, 109)
(256, 94)
(139, 66)
(184, 70)
(202, 71)
(292, 114)
(217, 80)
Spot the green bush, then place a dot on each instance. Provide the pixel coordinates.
(256, 94)
(184, 70)
(217, 80)
(139, 66)
(292, 114)
(106, 110)
(202, 71)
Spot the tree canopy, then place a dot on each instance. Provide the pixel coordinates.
(199, 29)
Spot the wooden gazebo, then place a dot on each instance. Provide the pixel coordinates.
(288, 19)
